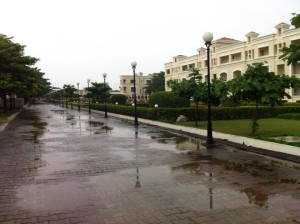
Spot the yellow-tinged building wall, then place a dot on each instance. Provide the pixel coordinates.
(127, 86)
(229, 58)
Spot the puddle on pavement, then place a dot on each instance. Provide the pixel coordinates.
(256, 197)
(107, 128)
(175, 187)
(95, 123)
(70, 117)
(59, 111)
(37, 133)
(57, 196)
(57, 161)
(208, 179)
(167, 137)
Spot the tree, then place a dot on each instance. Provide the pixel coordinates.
(295, 21)
(98, 91)
(17, 74)
(69, 93)
(168, 100)
(118, 98)
(219, 91)
(199, 90)
(291, 54)
(157, 83)
(259, 85)
(191, 88)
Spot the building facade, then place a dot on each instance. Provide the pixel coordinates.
(127, 86)
(229, 57)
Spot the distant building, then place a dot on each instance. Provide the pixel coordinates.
(82, 92)
(141, 82)
(229, 57)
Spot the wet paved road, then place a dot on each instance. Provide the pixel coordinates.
(61, 166)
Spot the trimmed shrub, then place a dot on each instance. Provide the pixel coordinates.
(290, 116)
(168, 100)
(218, 113)
(120, 98)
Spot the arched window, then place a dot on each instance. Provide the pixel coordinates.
(223, 76)
(236, 74)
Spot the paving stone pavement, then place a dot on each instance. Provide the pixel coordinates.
(59, 165)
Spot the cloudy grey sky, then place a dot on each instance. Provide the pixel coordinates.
(80, 39)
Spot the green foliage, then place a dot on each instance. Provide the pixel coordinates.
(119, 98)
(156, 84)
(260, 86)
(290, 116)
(189, 88)
(98, 91)
(218, 113)
(291, 54)
(168, 99)
(219, 91)
(295, 21)
(193, 88)
(18, 74)
(69, 91)
(254, 126)
(4, 116)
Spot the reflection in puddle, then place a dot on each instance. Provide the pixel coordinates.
(58, 161)
(39, 128)
(95, 123)
(255, 197)
(45, 197)
(106, 128)
(70, 117)
(167, 137)
(288, 181)
(190, 167)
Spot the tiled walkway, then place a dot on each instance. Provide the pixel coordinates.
(61, 166)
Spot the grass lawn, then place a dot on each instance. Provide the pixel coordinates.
(270, 127)
(4, 116)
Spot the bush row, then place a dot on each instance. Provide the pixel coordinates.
(220, 113)
(290, 116)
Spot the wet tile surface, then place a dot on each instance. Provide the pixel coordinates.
(61, 166)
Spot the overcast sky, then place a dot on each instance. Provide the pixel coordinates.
(80, 39)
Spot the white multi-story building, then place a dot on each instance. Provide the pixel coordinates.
(229, 57)
(141, 82)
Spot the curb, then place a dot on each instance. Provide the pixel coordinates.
(9, 119)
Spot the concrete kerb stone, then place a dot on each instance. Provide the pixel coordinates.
(243, 142)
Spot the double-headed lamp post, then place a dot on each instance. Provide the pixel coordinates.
(133, 65)
(78, 96)
(208, 37)
(105, 110)
(88, 82)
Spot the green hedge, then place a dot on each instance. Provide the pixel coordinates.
(219, 113)
(119, 98)
(167, 100)
(290, 116)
